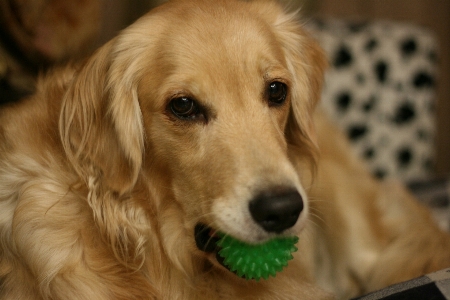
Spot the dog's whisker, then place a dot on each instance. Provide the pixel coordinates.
(314, 223)
(316, 217)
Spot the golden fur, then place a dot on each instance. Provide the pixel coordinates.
(101, 185)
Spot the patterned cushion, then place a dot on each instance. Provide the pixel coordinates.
(380, 90)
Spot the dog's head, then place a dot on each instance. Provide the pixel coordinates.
(204, 102)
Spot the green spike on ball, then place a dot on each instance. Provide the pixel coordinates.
(256, 261)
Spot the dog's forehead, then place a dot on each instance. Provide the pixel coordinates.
(223, 44)
(223, 32)
(210, 49)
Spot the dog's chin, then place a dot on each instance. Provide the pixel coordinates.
(206, 240)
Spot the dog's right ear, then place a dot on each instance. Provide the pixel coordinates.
(307, 62)
(99, 142)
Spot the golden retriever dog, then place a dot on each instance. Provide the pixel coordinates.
(198, 118)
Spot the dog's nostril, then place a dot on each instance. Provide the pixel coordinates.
(276, 212)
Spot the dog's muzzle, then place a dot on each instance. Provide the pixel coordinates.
(275, 211)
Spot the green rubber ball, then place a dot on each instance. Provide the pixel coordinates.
(256, 261)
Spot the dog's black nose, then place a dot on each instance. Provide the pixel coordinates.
(276, 211)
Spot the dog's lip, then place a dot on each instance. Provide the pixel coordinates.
(206, 240)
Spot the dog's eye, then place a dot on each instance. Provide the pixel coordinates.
(276, 93)
(185, 108)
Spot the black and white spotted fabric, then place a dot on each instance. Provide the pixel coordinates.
(380, 90)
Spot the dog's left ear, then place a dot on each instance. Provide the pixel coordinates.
(307, 63)
(103, 138)
(100, 123)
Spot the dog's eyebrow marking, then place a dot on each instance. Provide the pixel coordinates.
(277, 73)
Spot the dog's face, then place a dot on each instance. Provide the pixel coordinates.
(207, 100)
(216, 122)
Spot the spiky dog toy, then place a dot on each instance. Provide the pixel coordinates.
(256, 261)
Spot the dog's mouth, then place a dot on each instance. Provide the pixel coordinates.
(206, 239)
